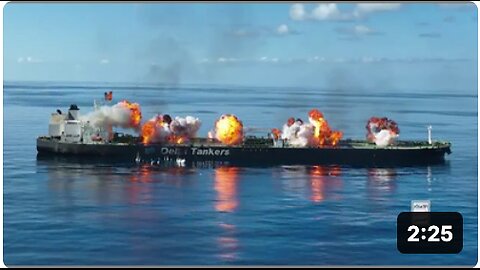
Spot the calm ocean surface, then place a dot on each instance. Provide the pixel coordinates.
(80, 213)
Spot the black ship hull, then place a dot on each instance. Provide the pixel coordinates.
(343, 154)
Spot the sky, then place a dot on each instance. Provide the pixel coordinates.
(329, 45)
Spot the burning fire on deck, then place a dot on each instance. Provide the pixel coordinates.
(317, 133)
(382, 131)
(228, 129)
(153, 128)
(277, 133)
(123, 114)
(162, 128)
(135, 112)
(323, 134)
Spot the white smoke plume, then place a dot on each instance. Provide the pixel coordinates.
(298, 134)
(382, 131)
(384, 137)
(185, 127)
(156, 130)
(164, 129)
(118, 115)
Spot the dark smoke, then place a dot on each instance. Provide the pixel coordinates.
(227, 42)
(170, 61)
(168, 74)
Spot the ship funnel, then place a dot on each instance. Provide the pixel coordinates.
(73, 112)
(429, 128)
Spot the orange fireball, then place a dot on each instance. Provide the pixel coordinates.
(229, 129)
(136, 114)
(149, 129)
(175, 139)
(158, 129)
(290, 121)
(376, 124)
(323, 134)
(276, 133)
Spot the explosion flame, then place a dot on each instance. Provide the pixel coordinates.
(323, 133)
(135, 112)
(317, 133)
(152, 128)
(228, 130)
(276, 133)
(123, 114)
(382, 131)
(163, 129)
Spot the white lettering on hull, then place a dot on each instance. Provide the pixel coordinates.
(210, 152)
(195, 151)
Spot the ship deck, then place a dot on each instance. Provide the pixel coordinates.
(255, 142)
(343, 144)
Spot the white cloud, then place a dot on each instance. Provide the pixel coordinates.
(245, 33)
(331, 12)
(316, 60)
(282, 29)
(366, 8)
(227, 60)
(357, 31)
(368, 59)
(297, 12)
(362, 30)
(233, 60)
(321, 12)
(104, 61)
(457, 6)
(262, 31)
(28, 59)
(327, 12)
(266, 59)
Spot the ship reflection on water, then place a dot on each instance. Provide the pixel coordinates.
(381, 185)
(307, 183)
(313, 183)
(214, 203)
(226, 179)
(322, 179)
(227, 242)
(382, 179)
(71, 181)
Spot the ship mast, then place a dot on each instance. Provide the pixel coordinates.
(429, 128)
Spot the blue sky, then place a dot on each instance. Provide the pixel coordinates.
(398, 46)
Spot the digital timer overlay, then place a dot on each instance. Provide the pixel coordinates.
(197, 134)
(430, 232)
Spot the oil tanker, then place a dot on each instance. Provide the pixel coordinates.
(71, 136)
